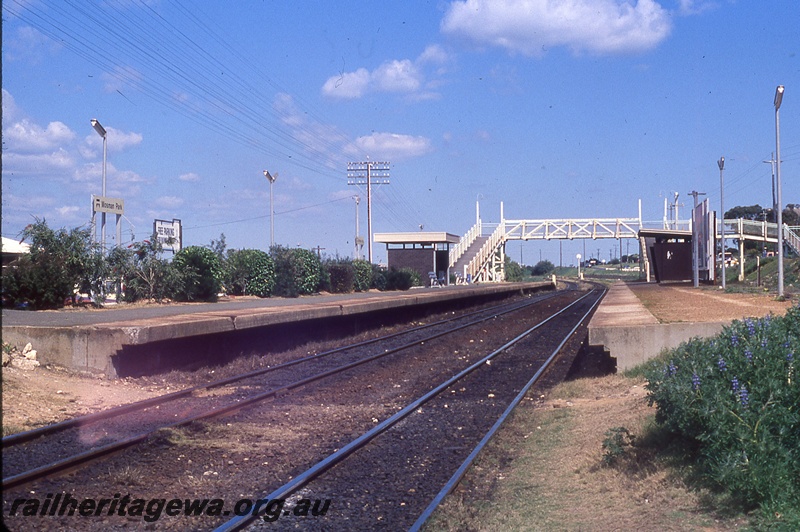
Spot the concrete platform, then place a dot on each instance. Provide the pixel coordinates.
(632, 335)
(91, 340)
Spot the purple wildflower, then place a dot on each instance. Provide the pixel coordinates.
(751, 326)
(734, 340)
(695, 382)
(672, 369)
(744, 397)
(748, 355)
(735, 384)
(764, 342)
(789, 357)
(721, 364)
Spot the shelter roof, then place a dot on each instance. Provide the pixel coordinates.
(418, 237)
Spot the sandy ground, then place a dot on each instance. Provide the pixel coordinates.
(682, 303)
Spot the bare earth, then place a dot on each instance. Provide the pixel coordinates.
(682, 303)
(32, 398)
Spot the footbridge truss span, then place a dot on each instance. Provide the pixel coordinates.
(481, 252)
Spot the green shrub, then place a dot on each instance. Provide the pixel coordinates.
(200, 274)
(543, 267)
(341, 276)
(737, 397)
(379, 276)
(249, 272)
(514, 273)
(59, 261)
(297, 271)
(615, 444)
(362, 280)
(402, 279)
(145, 275)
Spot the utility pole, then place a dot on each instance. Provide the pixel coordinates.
(359, 242)
(695, 243)
(271, 178)
(721, 164)
(319, 251)
(368, 173)
(772, 162)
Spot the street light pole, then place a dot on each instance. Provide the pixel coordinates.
(271, 178)
(721, 164)
(778, 100)
(578, 256)
(102, 132)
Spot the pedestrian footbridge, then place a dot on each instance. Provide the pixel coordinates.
(480, 253)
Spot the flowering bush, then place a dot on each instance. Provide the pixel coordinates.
(737, 396)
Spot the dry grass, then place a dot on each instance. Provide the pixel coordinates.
(545, 470)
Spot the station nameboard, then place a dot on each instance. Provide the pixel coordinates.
(168, 234)
(111, 205)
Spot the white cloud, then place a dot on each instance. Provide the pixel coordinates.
(530, 27)
(25, 136)
(37, 163)
(116, 139)
(71, 211)
(169, 202)
(29, 45)
(348, 85)
(395, 76)
(390, 146)
(190, 177)
(694, 7)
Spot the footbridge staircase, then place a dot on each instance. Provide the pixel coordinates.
(480, 254)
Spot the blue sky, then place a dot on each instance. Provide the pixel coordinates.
(559, 109)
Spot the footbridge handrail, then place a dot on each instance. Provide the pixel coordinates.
(791, 237)
(465, 242)
(593, 228)
(481, 267)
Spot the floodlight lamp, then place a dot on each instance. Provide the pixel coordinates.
(269, 176)
(721, 163)
(99, 128)
(778, 97)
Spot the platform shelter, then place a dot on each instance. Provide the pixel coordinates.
(424, 252)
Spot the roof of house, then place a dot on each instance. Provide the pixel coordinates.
(11, 246)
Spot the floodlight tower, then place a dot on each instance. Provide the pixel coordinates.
(368, 173)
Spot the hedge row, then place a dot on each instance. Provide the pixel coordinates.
(61, 262)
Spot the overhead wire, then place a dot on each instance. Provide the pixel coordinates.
(169, 61)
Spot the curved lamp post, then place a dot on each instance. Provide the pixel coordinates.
(102, 132)
(778, 100)
(271, 178)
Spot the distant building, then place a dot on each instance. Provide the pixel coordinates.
(13, 250)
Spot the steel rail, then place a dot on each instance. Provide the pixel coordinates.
(99, 452)
(300, 480)
(80, 421)
(461, 471)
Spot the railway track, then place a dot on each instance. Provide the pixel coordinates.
(38, 453)
(398, 492)
(404, 359)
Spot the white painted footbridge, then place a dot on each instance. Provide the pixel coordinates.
(480, 253)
